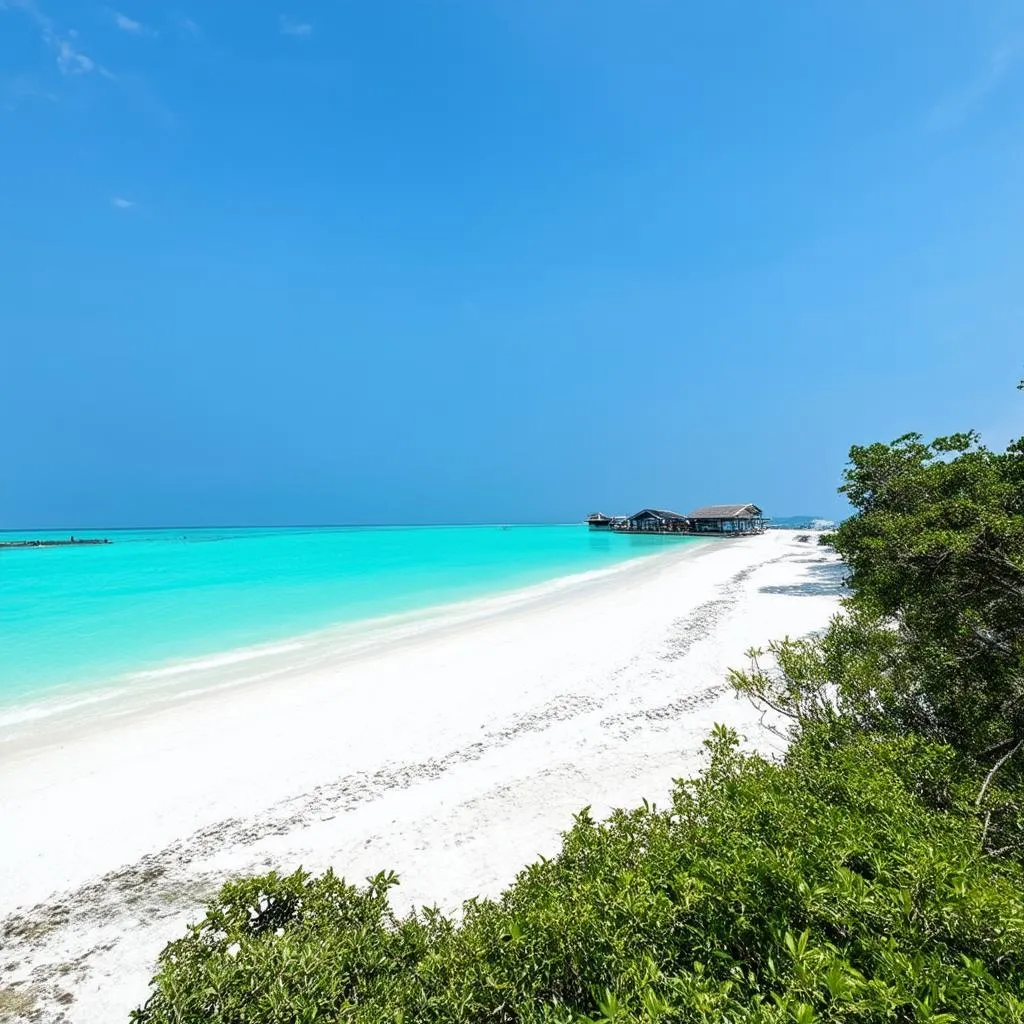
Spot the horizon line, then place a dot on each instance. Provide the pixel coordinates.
(322, 526)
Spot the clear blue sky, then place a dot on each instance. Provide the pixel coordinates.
(478, 260)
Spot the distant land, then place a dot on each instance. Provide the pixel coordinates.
(801, 523)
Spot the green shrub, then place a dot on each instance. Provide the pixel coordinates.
(845, 884)
(936, 555)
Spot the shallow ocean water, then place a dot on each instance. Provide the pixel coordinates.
(75, 616)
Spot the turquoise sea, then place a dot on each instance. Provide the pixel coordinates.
(75, 617)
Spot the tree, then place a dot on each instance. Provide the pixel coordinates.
(936, 553)
(933, 636)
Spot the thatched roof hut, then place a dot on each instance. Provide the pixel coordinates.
(727, 519)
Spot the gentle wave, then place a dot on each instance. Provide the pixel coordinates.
(23, 713)
(217, 660)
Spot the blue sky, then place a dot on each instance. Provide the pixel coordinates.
(496, 261)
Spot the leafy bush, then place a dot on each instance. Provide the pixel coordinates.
(846, 884)
(932, 641)
(936, 553)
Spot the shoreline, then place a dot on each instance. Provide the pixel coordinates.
(454, 756)
(67, 709)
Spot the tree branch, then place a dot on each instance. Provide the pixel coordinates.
(997, 748)
(1003, 849)
(999, 764)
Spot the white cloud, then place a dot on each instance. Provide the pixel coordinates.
(189, 26)
(295, 28)
(121, 203)
(70, 59)
(959, 104)
(130, 25)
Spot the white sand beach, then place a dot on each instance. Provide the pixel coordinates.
(452, 750)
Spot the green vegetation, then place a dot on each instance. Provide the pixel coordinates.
(937, 551)
(933, 640)
(876, 874)
(839, 886)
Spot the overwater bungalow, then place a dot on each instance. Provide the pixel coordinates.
(654, 520)
(726, 520)
(729, 519)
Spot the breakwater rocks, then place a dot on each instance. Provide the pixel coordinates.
(70, 542)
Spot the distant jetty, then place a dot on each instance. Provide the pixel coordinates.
(70, 542)
(725, 520)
